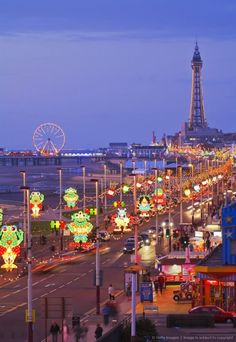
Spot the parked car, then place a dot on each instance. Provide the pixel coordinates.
(146, 239)
(220, 316)
(104, 235)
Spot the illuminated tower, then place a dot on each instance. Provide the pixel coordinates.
(197, 115)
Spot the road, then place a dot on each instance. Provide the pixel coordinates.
(72, 279)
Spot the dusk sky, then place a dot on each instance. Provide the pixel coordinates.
(113, 70)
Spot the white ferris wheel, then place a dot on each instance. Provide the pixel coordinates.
(49, 139)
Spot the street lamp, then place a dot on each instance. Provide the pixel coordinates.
(97, 273)
(121, 180)
(105, 187)
(23, 174)
(192, 173)
(84, 189)
(60, 206)
(156, 220)
(180, 194)
(26, 191)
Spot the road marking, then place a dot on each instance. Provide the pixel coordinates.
(6, 296)
(35, 299)
(52, 291)
(60, 287)
(82, 275)
(43, 295)
(91, 270)
(92, 263)
(69, 282)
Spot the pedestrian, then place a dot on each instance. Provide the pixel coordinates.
(111, 292)
(156, 285)
(65, 331)
(106, 313)
(54, 331)
(83, 334)
(98, 331)
(161, 281)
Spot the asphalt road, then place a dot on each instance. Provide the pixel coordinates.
(74, 280)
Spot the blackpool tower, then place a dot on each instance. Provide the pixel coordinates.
(197, 116)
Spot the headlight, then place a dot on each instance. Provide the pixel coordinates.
(124, 248)
(147, 241)
(153, 235)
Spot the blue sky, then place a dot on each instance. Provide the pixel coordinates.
(109, 71)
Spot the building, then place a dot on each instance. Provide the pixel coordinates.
(196, 130)
(217, 272)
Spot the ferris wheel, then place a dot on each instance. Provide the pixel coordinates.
(49, 139)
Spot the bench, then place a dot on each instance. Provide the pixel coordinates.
(190, 321)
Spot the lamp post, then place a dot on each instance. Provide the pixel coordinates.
(180, 195)
(192, 172)
(105, 187)
(97, 272)
(23, 174)
(60, 206)
(156, 216)
(84, 188)
(26, 190)
(121, 180)
(170, 224)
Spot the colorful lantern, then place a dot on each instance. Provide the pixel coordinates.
(36, 200)
(80, 227)
(196, 187)
(10, 240)
(159, 198)
(57, 224)
(110, 193)
(71, 198)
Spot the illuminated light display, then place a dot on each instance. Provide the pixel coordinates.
(36, 200)
(138, 185)
(119, 204)
(125, 189)
(144, 206)
(1, 216)
(197, 187)
(71, 198)
(10, 240)
(159, 179)
(91, 211)
(121, 221)
(159, 198)
(110, 192)
(57, 224)
(149, 182)
(80, 227)
(187, 192)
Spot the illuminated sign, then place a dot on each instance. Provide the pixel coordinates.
(71, 198)
(36, 200)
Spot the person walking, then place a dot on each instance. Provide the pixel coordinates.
(106, 311)
(98, 331)
(83, 334)
(161, 281)
(54, 331)
(111, 292)
(65, 331)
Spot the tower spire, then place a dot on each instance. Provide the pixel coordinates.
(197, 114)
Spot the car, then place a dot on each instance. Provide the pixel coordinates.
(146, 239)
(132, 239)
(104, 235)
(220, 315)
(152, 232)
(129, 247)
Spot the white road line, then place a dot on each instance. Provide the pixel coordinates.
(52, 291)
(82, 275)
(77, 278)
(91, 270)
(43, 295)
(6, 296)
(92, 263)
(35, 299)
(69, 282)
(60, 287)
